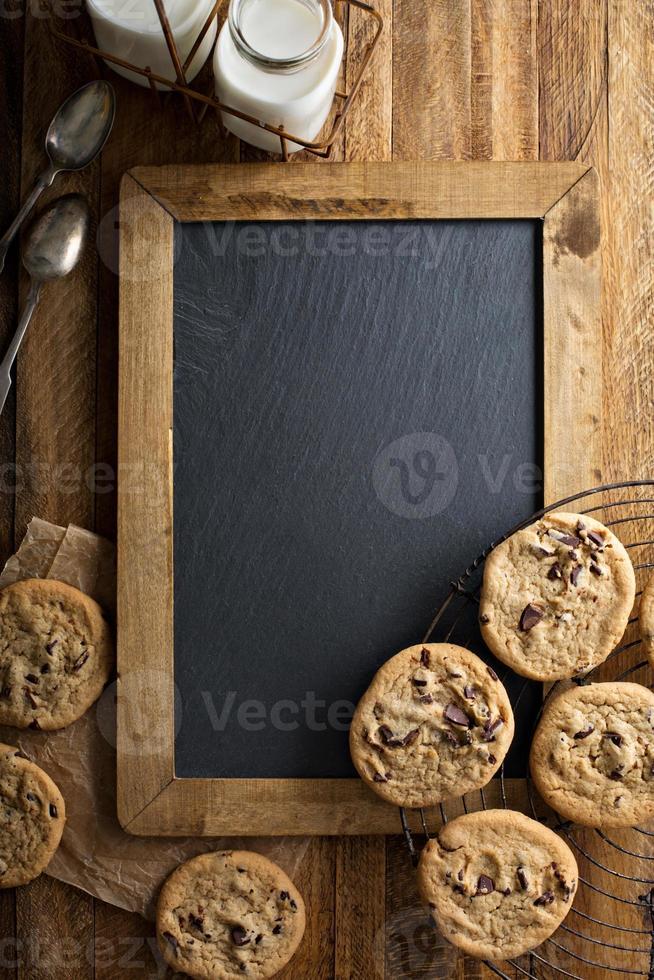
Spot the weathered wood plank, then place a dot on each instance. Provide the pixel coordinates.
(55, 448)
(315, 880)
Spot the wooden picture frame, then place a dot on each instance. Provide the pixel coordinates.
(151, 799)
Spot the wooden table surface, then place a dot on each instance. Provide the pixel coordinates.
(454, 79)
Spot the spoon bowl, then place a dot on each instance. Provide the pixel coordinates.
(56, 238)
(80, 127)
(53, 246)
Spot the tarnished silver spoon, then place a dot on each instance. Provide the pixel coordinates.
(77, 133)
(53, 246)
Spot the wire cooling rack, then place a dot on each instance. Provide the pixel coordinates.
(616, 867)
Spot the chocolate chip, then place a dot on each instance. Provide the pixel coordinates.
(453, 740)
(521, 875)
(530, 616)
(239, 936)
(545, 899)
(484, 619)
(426, 699)
(616, 774)
(492, 760)
(5, 692)
(378, 777)
(258, 938)
(32, 678)
(615, 738)
(455, 715)
(485, 885)
(541, 552)
(424, 657)
(30, 697)
(575, 573)
(293, 905)
(470, 692)
(584, 733)
(555, 571)
(196, 921)
(276, 930)
(490, 728)
(411, 736)
(419, 683)
(569, 539)
(385, 734)
(170, 939)
(53, 811)
(34, 725)
(81, 660)
(459, 889)
(32, 798)
(506, 891)
(596, 539)
(596, 569)
(580, 527)
(49, 647)
(45, 669)
(455, 674)
(284, 896)
(492, 673)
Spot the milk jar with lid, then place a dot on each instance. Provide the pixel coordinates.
(131, 30)
(278, 61)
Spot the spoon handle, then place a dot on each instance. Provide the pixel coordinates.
(43, 180)
(17, 339)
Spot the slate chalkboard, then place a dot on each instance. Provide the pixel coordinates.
(357, 414)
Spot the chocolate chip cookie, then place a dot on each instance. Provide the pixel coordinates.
(436, 722)
(229, 914)
(497, 883)
(592, 757)
(56, 654)
(646, 618)
(556, 597)
(32, 818)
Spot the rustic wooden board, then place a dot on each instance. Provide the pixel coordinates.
(157, 792)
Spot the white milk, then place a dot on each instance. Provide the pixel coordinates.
(130, 29)
(264, 66)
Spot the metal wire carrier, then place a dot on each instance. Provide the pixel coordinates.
(76, 32)
(617, 867)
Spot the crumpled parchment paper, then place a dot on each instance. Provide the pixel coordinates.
(95, 853)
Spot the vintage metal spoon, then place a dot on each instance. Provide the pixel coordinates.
(76, 135)
(53, 246)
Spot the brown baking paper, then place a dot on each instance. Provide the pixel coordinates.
(95, 853)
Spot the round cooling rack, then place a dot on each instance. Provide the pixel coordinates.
(609, 931)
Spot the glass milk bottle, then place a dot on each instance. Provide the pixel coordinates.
(131, 30)
(278, 61)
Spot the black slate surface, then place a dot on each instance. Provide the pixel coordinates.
(357, 415)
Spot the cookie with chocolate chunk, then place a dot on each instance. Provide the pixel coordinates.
(497, 883)
(32, 818)
(646, 618)
(229, 914)
(435, 722)
(56, 654)
(556, 597)
(592, 757)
